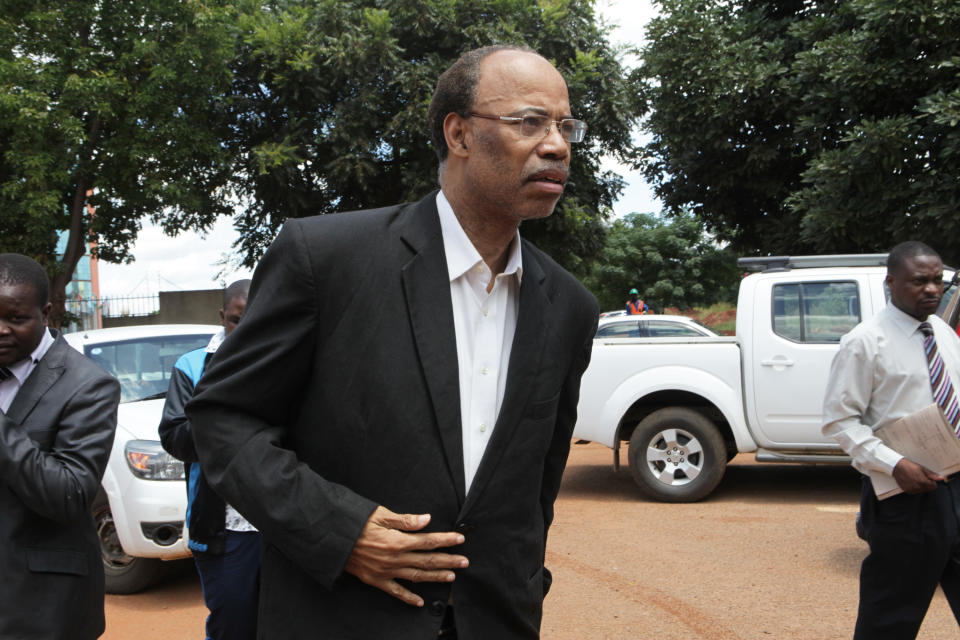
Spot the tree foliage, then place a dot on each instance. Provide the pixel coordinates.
(182, 110)
(333, 95)
(669, 261)
(120, 99)
(807, 126)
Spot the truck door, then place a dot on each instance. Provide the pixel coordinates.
(797, 327)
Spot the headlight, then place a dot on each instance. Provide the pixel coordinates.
(148, 460)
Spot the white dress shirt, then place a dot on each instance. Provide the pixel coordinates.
(22, 370)
(880, 375)
(485, 324)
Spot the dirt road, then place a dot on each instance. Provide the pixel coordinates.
(771, 554)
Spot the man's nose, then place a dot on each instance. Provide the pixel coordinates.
(553, 145)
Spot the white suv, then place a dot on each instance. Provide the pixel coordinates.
(141, 508)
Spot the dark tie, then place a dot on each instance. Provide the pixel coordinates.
(943, 392)
(4, 373)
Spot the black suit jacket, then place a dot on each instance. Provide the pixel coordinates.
(54, 444)
(339, 391)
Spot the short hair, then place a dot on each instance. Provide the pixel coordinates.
(456, 90)
(904, 251)
(17, 269)
(238, 289)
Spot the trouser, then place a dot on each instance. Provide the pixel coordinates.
(231, 584)
(914, 545)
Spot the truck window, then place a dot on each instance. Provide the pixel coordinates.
(819, 312)
(626, 329)
(143, 365)
(666, 329)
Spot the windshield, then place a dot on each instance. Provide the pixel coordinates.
(143, 365)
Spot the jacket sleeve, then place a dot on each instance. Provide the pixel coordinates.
(248, 398)
(56, 471)
(175, 434)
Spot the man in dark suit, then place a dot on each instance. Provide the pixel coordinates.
(395, 410)
(59, 413)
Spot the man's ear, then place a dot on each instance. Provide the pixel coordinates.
(456, 131)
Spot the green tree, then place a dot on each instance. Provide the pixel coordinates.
(334, 94)
(669, 260)
(180, 111)
(120, 100)
(807, 126)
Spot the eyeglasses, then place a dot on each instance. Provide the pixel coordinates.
(538, 126)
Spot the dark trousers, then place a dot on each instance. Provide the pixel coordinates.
(914, 545)
(231, 584)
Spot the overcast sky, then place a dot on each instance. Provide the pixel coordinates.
(191, 261)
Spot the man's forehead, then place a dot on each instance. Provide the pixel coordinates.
(925, 262)
(921, 265)
(18, 293)
(507, 57)
(515, 75)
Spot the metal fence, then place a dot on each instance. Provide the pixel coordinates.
(89, 312)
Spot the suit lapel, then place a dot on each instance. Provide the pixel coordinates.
(47, 371)
(526, 355)
(426, 285)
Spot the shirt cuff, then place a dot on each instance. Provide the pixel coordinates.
(886, 458)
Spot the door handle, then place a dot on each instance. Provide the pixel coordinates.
(785, 362)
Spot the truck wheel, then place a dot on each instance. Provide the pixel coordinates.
(124, 573)
(677, 455)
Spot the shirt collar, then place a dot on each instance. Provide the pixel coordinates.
(216, 340)
(24, 368)
(461, 254)
(903, 321)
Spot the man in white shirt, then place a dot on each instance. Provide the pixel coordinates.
(226, 548)
(395, 410)
(882, 373)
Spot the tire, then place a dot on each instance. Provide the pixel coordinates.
(677, 455)
(124, 574)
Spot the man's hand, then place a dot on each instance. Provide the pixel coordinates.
(383, 553)
(913, 478)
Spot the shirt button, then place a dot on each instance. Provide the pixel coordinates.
(485, 312)
(483, 428)
(483, 370)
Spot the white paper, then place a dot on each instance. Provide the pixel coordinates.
(924, 437)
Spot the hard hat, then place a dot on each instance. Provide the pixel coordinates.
(634, 292)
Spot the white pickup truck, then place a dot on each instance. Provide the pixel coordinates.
(687, 406)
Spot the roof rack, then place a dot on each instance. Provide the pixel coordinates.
(780, 263)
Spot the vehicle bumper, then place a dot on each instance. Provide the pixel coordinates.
(138, 505)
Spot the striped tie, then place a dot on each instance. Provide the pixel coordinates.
(4, 373)
(943, 392)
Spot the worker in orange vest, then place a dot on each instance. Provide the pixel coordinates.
(636, 306)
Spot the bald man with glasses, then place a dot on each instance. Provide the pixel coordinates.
(395, 411)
